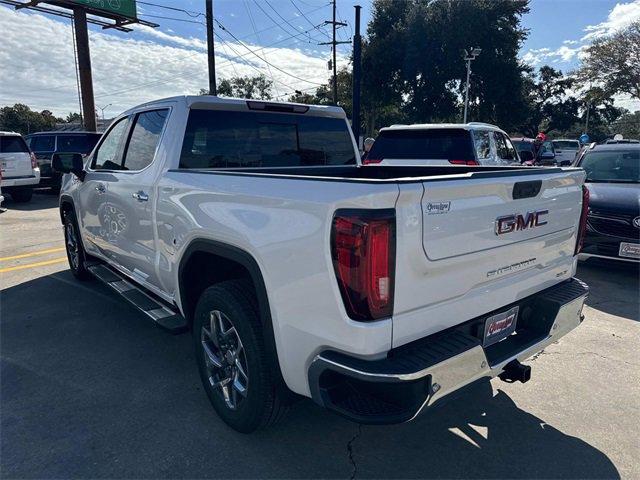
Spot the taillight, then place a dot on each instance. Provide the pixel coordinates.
(363, 252)
(583, 220)
(464, 162)
(369, 161)
(34, 162)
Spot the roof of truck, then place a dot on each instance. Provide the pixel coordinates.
(201, 101)
(12, 134)
(431, 126)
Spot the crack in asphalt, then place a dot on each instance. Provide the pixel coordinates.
(537, 355)
(352, 461)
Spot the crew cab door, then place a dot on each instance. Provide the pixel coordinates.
(132, 197)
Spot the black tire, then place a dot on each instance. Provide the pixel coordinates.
(266, 400)
(22, 195)
(73, 246)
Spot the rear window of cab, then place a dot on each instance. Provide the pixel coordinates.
(223, 139)
(435, 144)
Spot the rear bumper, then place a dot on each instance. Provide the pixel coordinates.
(417, 376)
(22, 181)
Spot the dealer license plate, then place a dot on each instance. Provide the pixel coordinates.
(629, 250)
(500, 326)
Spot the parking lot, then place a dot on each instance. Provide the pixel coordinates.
(90, 388)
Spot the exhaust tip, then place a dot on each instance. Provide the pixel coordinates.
(515, 371)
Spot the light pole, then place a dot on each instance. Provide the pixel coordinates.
(469, 56)
(102, 109)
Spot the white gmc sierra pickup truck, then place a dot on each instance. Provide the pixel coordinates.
(375, 290)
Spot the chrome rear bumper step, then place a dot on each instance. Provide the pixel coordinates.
(161, 313)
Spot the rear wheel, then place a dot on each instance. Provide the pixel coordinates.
(22, 195)
(232, 360)
(73, 245)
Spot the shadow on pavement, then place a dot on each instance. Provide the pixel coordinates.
(41, 199)
(613, 286)
(92, 389)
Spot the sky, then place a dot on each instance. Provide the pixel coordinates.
(278, 38)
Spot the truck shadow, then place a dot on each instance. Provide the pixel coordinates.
(91, 389)
(613, 286)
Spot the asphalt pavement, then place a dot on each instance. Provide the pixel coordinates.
(90, 388)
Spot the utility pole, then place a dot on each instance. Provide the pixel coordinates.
(210, 49)
(84, 67)
(333, 44)
(357, 67)
(469, 56)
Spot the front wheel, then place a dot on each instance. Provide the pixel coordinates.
(73, 246)
(232, 360)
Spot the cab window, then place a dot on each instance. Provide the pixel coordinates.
(144, 139)
(109, 153)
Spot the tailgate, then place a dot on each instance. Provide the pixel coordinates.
(487, 239)
(463, 217)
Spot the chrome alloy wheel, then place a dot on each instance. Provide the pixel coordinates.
(72, 245)
(225, 358)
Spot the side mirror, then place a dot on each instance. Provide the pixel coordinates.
(68, 163)
(526, 156)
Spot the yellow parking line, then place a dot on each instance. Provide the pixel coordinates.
(31, 265)
(32, 254)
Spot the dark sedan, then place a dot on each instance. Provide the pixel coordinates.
(613, 221)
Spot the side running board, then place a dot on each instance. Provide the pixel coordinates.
(158, 311)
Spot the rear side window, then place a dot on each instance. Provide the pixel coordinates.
(12, 144)
(42, 143)
(504, 147)
(144, 139)
(77, 143)
(217, 139)
(482, 144)
(436, 144)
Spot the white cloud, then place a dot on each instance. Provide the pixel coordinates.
(571, 42)
(129, 69)
(621, 16)
(563, 54)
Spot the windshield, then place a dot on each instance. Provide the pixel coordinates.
(566, 145)
(435, 144)
(523, 145)
(620, 166)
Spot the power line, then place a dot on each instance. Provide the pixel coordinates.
(253, 26)
(191, 13)
(295, 29)
(317, 27)
(170, 18)
(264, 60)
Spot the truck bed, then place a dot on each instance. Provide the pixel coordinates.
(381, 174)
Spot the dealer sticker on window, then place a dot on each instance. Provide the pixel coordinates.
(500, 326)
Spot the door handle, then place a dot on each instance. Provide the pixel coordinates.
(100, 188)
(140, 196)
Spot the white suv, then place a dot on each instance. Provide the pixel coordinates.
(20, 172)
(443, 144)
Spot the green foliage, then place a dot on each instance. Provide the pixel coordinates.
(20, 118)
(628, 125)
(256, 87)
(413, 62)
(614, 62)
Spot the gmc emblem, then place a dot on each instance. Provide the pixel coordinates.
(516, 222)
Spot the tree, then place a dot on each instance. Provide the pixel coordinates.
(256, 87)
(628, 125)
(20, 118)
(73, 117)
(614, 62)
(413, 65)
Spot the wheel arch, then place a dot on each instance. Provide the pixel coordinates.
(231, 262)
